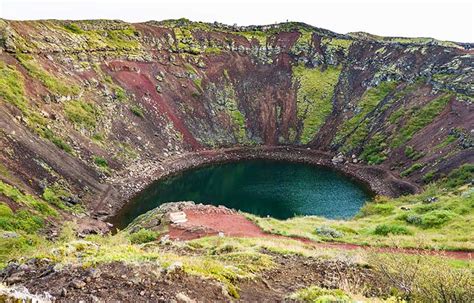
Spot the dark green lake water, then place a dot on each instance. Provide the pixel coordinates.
(277, 189)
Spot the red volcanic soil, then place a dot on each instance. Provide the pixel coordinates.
(212, 221)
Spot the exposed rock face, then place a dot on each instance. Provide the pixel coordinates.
(87, 104)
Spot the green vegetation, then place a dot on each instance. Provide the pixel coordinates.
(315, 89)
(418, 118)
(421, 278)
(315, 294)
(73, 28)
(56, 194)
(356, 129)
(102, 164)
(54, 84)
(21, 220)
(143, 236)
(137, 111)
(82, 114)
(26, 200)
(334, 44)
(121, 39)
(412, 169)
(375, 151)
(385, 230)
(412, 153)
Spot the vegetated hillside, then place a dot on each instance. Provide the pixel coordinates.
(85, 104)
(91, 108)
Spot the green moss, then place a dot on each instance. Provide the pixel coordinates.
(315, 89)
(137, 111)
(316, 294)
(212, 50)
(12, 87)
(120, 94)
(82, 114)
(412, 169)
(257, 35)
(355, 129)
(198, 83)
(419, 118)
(54, 84)
(428, 177)
(21, 220)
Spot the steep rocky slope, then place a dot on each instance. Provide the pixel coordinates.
(90, 108)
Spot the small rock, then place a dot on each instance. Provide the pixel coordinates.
(63, 292)
(78, 284)
(181, 297)
(8, 235)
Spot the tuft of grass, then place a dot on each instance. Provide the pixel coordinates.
(137, 111)
(315, 89)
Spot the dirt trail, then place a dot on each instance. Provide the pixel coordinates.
(204, 223)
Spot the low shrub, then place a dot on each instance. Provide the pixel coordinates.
(328, 232)
(143, 236)
(386, 229)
